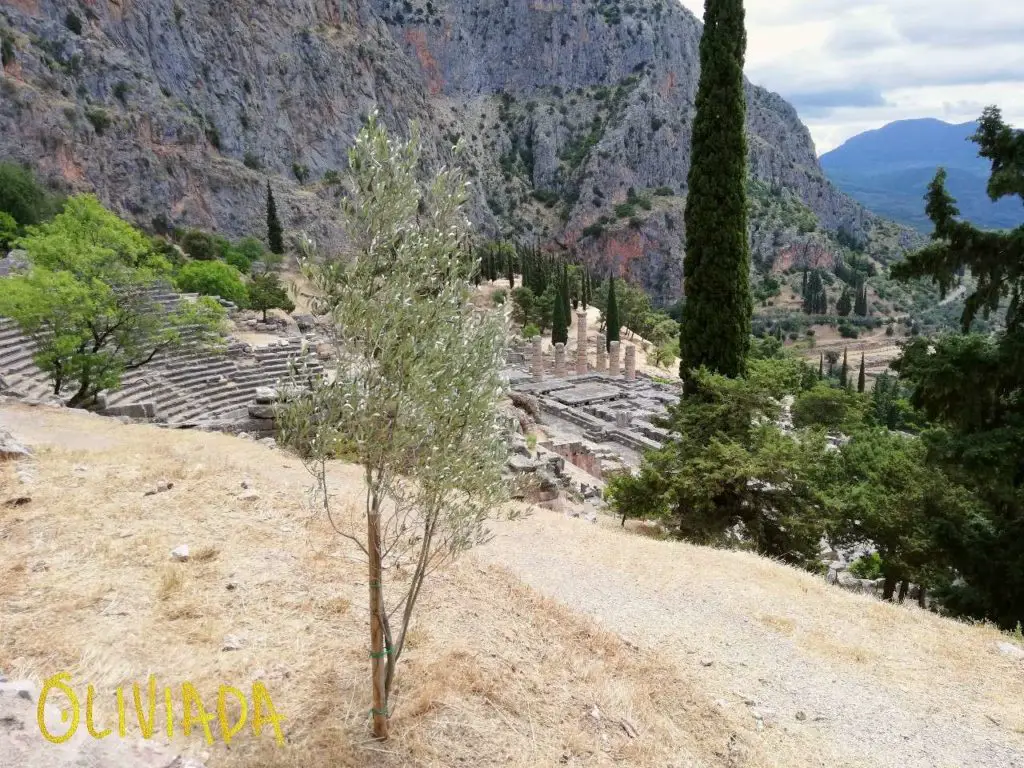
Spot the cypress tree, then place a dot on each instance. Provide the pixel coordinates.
(803, 289)
(275, 237)
(860, 376)
(843, 371)
(566, 303)
(559, 321)
(861, 305)
(844, 304)
(821, 365)
(815, 297)
(510, 267)
(717, 314)
(611, 315)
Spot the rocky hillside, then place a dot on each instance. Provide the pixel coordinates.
(576, 116)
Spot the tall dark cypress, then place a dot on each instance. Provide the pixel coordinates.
(559, 318)
(860, 376)
(611, 316)
(843, 371)
(510, 267)
(566, 303)
(716, 269)
(860, 306)
(821, 365)
(275, 238)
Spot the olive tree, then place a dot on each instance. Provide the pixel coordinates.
(414, 394)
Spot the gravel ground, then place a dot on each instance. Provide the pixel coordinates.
(826, 677)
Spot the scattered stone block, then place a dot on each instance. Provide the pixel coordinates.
(521, 464)
(11, 448)
(1011, 650)
(180, 553)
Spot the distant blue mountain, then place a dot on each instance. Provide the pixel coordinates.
(888, 171)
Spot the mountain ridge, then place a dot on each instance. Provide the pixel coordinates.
(184, 112)
(888, 169)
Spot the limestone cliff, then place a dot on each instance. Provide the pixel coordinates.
(183, 109)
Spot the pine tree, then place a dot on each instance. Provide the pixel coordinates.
(860, 376)
(715, 328)
(843, 371)
(611, 315)
(275, 237)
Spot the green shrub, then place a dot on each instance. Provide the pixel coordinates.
(332, 178)
(72, 22)
(7, 54)
(8, 231)
(169, 251)
(121, 91)
(625, 210)
(246, 251)
(531, 331)
(251, 161)
(546, 196)
(23, 197)
(301, 172)
(848, 331)
(825, 406)
(664, 192)
(199, 245)
(213, 136)
(499, 297)
(213, 278)
(238, 260)
(99, 118)
(868, 567)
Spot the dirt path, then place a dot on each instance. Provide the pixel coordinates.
(882, 685)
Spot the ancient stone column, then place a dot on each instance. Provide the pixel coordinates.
(602, 354)
(581, 343)
(631, 362)
(537, 360)
(559, 360)
(613, 359)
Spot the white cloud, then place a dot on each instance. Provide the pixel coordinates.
(852, 66)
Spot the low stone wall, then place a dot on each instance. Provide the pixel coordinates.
(578, 455)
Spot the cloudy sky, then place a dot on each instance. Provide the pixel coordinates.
(853, 65)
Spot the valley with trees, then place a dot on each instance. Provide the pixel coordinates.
(509, 401)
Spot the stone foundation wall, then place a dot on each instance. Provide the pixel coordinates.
(579, 456)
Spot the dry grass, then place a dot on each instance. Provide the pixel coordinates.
(757, 616)
(494, 674)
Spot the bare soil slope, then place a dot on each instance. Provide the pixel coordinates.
(610, 666)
